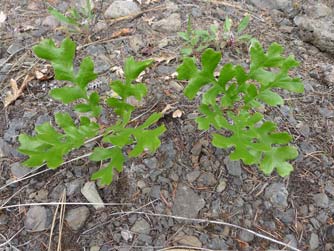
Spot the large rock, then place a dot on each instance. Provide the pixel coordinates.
(121, 9)
(317, 26)
(187, 203)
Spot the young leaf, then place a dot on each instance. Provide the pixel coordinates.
(61, 58)
(132, 69)
(188, 71)
(227, 24)
(243, 24)
(61, 17)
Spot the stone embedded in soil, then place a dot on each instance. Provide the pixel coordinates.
(121, 9)
(329, 188)
(126, 235)
(141, 226)
(330, 233)
(189, 240)
(169, 154)
(169, 24)
(321, 200)
(192, 176)
(151, 163)
(207, 179)
(18, 171)
(91, 194)
(246, 236)
(77, 217)
(277, 194)
(291, 240)
(73, 187)
(314, 241)
(187, 203)
(272, 4)
(50, 21)
(38, 218)
(233, 167)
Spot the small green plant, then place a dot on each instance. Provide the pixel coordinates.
(119, 141)
(78, 20)
(229, 105)
(197, 40)
(231, 38)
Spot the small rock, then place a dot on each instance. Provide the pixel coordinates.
(246, 236)
(136, 43)
(192, 176)
(19, 171)
(221, 186)
(329, 188)
(314, 241)
(207, 179)
(233, 167)
(100, 26)
(121, 9)
(141, 226)
(291, 240)
(94, 248)
(4, 149)
(197, 148)
(38, 218)
(287, 216)
(169, 24)
(151, 163)
(40, 195)
(191, 241)
(330, 233)
(169, 154)
(13, 48)
(51, 22)
(321, 200)
(77, 217)
(277, 194)
(141, 184)
(91, 194)
(73, 187)
(187, 203)
(155, 192)
(126, 235)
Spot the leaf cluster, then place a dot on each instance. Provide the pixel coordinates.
(51, 143)
(197, 40)
(229, 102)
(77, 19)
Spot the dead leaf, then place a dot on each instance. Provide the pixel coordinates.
(166, 109)
(16, 92)
(122, 32)
(177, 114)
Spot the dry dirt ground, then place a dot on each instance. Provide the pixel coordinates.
(187, 176)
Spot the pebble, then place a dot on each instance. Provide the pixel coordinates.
(187, 203)
(221, 186)
(77, 217)
(19, 171)
(330, 233)
(73, 187)
(207, 179)
(233, 167)
(151, 163)
(91, 194)
(94, 248)
(121, 9)
(277, 194)
(192, 176)
(321, 200)
(38, 218)
(291, 240)
(169, 24)
(50, 21)
(141, 226)
(314, 241)
(246, 236)
(191, 241)
(126, 235)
